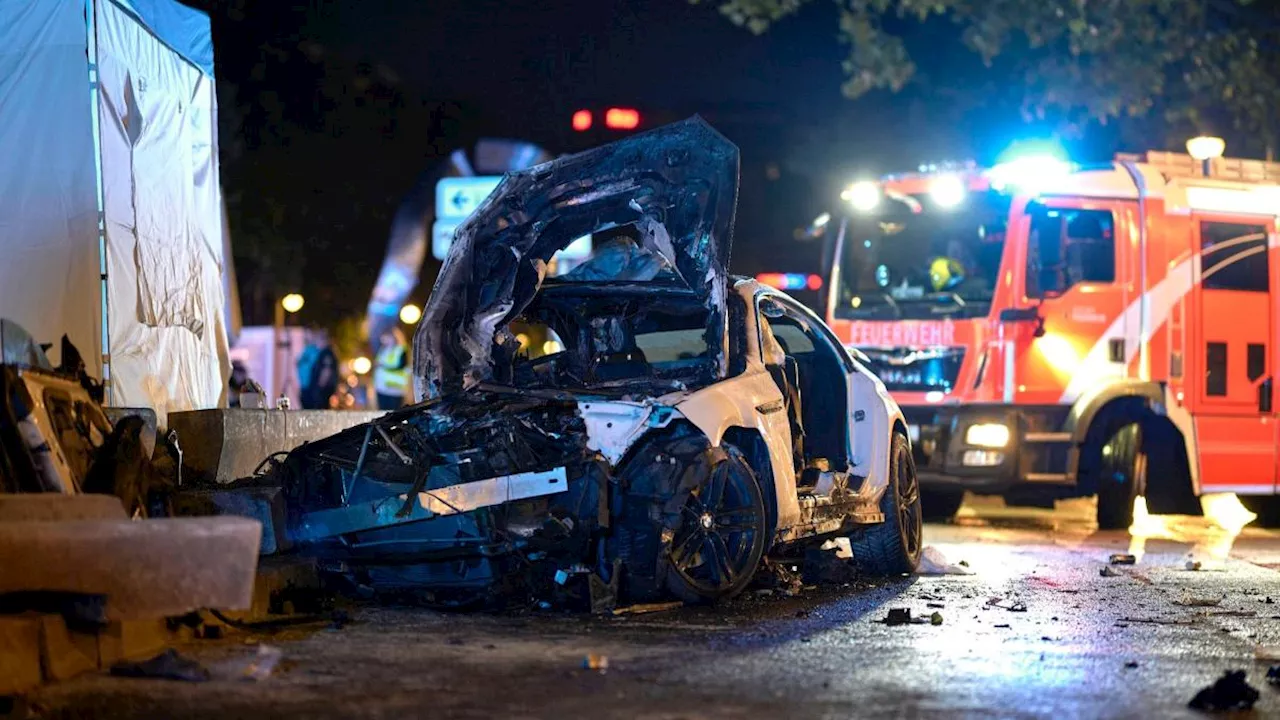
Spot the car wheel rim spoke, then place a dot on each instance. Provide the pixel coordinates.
(716, 487)
(719, 559)
(680, 551)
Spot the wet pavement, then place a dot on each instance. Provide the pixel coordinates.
(1035, 631)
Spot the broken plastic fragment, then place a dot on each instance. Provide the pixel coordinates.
(261, 667)
(1123, 559)
(898, 616)
(935, 619)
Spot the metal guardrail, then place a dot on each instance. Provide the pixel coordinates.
(1180, 165)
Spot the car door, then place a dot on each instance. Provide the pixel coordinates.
(826, 390)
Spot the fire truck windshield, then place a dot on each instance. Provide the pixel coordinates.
(913, 261)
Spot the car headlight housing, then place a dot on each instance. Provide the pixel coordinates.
(987, 435)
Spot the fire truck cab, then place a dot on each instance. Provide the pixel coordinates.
(1053, 331)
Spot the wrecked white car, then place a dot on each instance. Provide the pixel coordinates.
(680, 425)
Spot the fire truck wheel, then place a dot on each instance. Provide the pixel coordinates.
(940, 505)
(893, 546)
(1266, 507)
(1120, 478)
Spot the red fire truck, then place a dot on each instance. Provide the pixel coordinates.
(1056, 331)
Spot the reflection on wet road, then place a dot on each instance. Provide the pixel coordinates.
(1043, 626)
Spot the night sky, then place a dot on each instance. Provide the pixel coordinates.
(330, 110)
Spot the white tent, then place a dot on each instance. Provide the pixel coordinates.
(111, 226)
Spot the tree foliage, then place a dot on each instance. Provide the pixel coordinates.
(1195, 64)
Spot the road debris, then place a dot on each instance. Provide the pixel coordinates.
(1193, 565)
(1007, 604)
(1158, 621)
(599, 663)
(898, 616)
(902, 616)
(1267, 652)
(1230, 692)
(1123, 559)
(1189, 600)
(933, 562)
(645, 608)
(1109, 571)
(168, 665)
(935, 605)
(1131, 664)
(263, 664)
(1273, 676)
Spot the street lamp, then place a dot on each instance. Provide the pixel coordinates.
(1205, 148)
(280, 375)
(410, 314)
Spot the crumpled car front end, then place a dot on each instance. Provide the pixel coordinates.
(497, 494)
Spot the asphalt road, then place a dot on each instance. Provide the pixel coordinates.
(1138, 644)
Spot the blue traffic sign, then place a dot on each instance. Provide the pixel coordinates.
(458, 197)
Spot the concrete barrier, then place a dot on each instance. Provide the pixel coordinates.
(220, 446)
(145, 568)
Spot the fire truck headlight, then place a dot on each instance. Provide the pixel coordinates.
(988, 435)
(947, 191)
(863, 195)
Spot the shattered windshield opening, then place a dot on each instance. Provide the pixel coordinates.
(601, 337)
(618, 255)
(920, 263)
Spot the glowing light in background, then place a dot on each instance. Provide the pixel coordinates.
(1029, 174)
(1058, 353)
(863, 195)
(622, 118)
(582, 120)
(1204, 147)
(292, 302)
(410, 314)
(550, 347)
(362, 365)
(790, 281)
(947, 191)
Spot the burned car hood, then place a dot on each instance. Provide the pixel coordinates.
(677, 185)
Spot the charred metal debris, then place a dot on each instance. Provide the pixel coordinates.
(525, 502)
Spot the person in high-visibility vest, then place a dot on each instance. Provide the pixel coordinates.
(391, 370)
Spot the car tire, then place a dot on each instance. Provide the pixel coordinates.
(1120, 477)
(1266, 507)
(720, 538)
(940, 505)
(893, 546)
